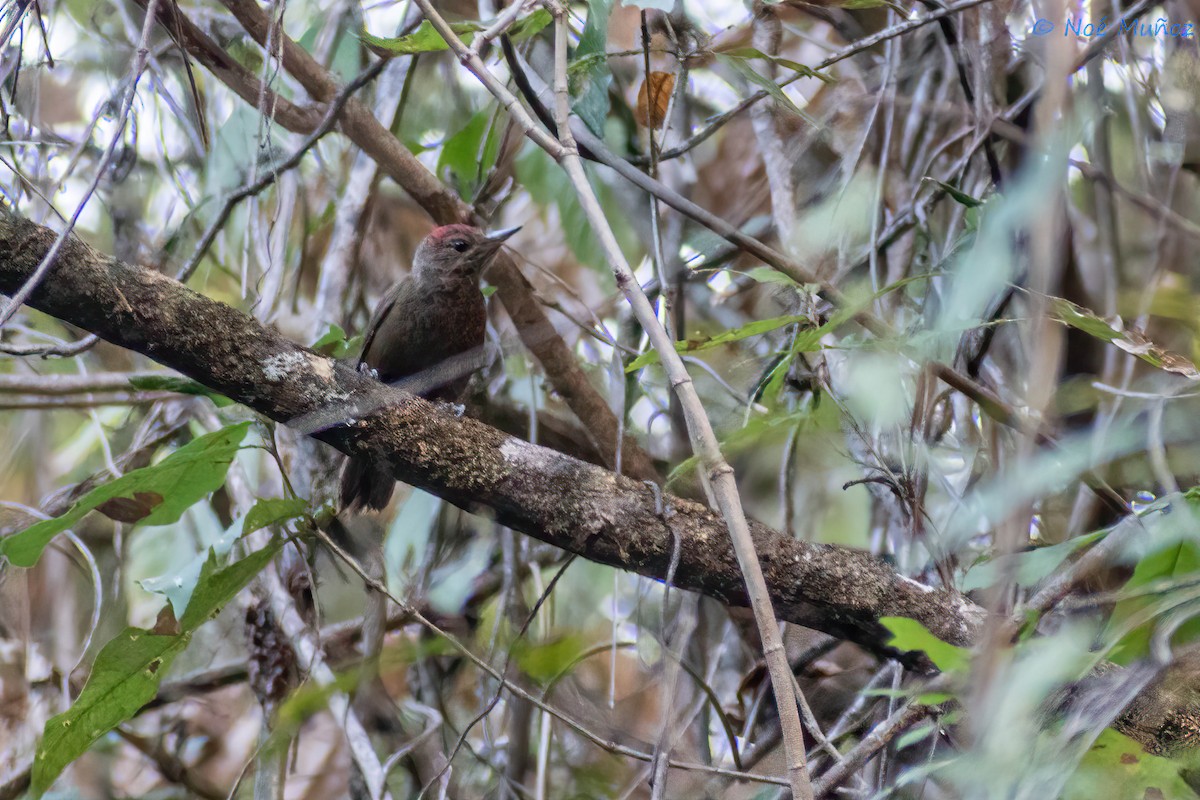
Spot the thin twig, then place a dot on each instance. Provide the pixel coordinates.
(519, 691)
(57, 385)
(502, 24)
(41, 402)
(879, 737)
(170, 766)
(269, 177)
(139, 65)
(852, 49)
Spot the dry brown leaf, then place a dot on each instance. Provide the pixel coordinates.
(130, 509)
(653, 101)
(165, 625)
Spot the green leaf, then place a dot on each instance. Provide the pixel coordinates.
(958, 194)
(347, 49)
(746, 53)
(272, 511)
(544, 661)
(755, 328)
(171, 383)
(229, 161)
(589, 84)
(908, 635)
(530, 26)
(548, 185)
(771, 275)
(934, 698)
(1173, 556)
(918, 734)
(1031, 566)
(579, 66)
(335, 344)
(1117, 766)
(310, 698)
(178, 584)
(128, 670)
(773, 427)
(769, 86)
(124, 678)
(154, 495)
(425, 39)
(217, 586)
(469, 153)
(772, 385)
(1131, 341)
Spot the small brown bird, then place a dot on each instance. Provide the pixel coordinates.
(426, 336)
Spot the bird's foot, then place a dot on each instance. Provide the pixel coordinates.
(366, 369)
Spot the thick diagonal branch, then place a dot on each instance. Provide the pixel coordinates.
(579, 507)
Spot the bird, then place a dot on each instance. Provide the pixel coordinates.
(426, 337)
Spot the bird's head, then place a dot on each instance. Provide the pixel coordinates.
(459, 250)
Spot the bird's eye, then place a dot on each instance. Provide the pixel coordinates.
(460, 245)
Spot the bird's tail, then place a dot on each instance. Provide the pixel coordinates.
(365, 486)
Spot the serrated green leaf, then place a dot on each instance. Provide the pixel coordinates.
(128, 670)
(171, 383)
(164, 490)
(909, 635)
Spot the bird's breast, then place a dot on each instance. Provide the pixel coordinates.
(424, 332)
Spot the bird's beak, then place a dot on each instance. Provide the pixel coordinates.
(498, 237)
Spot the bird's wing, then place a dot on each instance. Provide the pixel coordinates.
(381, 312)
